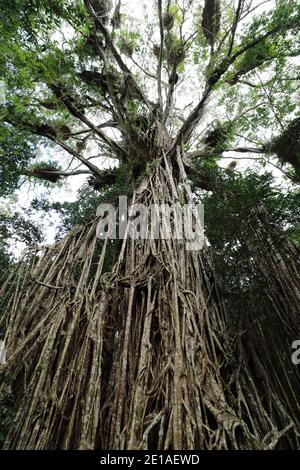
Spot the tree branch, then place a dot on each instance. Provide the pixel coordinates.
(245, 150)
(76, 112)
(254, 8)
(58, 173)
(272, 32)
(160, 59)
(235, 23)
(195, 116)
(170, 94)
(193, 119)
(94, 169)
(116, 55)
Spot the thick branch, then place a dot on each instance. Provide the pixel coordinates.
(42, 131)
(94, 169)
(170, 97)
(57, 173)
(193, 119)
(246, 150)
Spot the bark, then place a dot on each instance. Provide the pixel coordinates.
(142, 356)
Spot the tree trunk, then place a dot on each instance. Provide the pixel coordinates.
(141, 356)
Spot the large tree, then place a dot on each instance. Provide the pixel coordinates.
(128, 344)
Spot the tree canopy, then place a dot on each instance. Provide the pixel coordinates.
(95, 87)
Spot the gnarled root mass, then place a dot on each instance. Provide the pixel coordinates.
(144, 355)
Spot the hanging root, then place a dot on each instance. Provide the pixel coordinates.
(140, 356)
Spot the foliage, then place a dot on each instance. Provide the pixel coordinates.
(16, 151)
(228, 212)
(287, 146)
(15, 228)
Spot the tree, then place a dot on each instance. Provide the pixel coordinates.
(131, 344)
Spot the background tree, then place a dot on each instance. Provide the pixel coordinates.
(144, 344)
